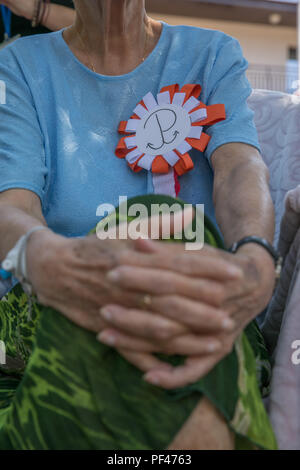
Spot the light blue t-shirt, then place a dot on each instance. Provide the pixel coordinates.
(58, 128)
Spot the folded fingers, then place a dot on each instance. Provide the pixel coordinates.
(159, 282)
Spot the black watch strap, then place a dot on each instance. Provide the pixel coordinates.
(265, 244)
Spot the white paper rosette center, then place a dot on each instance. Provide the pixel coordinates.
(163, 129)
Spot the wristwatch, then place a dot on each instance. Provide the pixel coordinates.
(277, 258)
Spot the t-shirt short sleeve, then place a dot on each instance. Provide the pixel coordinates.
(22, 154)
(229, 85)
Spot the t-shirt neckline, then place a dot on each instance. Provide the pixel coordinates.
(143, 64)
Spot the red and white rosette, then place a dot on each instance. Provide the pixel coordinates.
(161, 132)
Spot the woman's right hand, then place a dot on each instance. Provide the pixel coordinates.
(70, 275)
(23, 8)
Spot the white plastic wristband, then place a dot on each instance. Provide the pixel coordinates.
(15, 261)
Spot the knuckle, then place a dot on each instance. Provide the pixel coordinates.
(167, 306)
(214, 290)
(122, 271)
(121, 274)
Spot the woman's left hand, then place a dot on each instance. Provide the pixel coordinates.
(204, 341)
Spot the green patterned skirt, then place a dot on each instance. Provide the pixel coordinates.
(61, 389)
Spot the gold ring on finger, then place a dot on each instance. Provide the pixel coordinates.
(147, 301)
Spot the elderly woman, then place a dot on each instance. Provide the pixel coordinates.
(66, 93)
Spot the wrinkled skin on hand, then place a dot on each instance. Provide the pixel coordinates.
(183, 295)
(70, 275)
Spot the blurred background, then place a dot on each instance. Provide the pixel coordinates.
(266, 29)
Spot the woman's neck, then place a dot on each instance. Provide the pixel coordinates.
(112, 36)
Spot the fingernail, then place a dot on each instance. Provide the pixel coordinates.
(106, 313)
(212, 347)
(147, 242)
(113, 276)
(152, 379)
(107, 338)
(228, 324)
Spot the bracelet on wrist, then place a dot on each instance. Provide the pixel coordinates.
(44, 12)
(15, 263)
(277, 258)
(34, 21)
(39, 12)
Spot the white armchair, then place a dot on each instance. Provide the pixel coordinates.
(277, 118)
